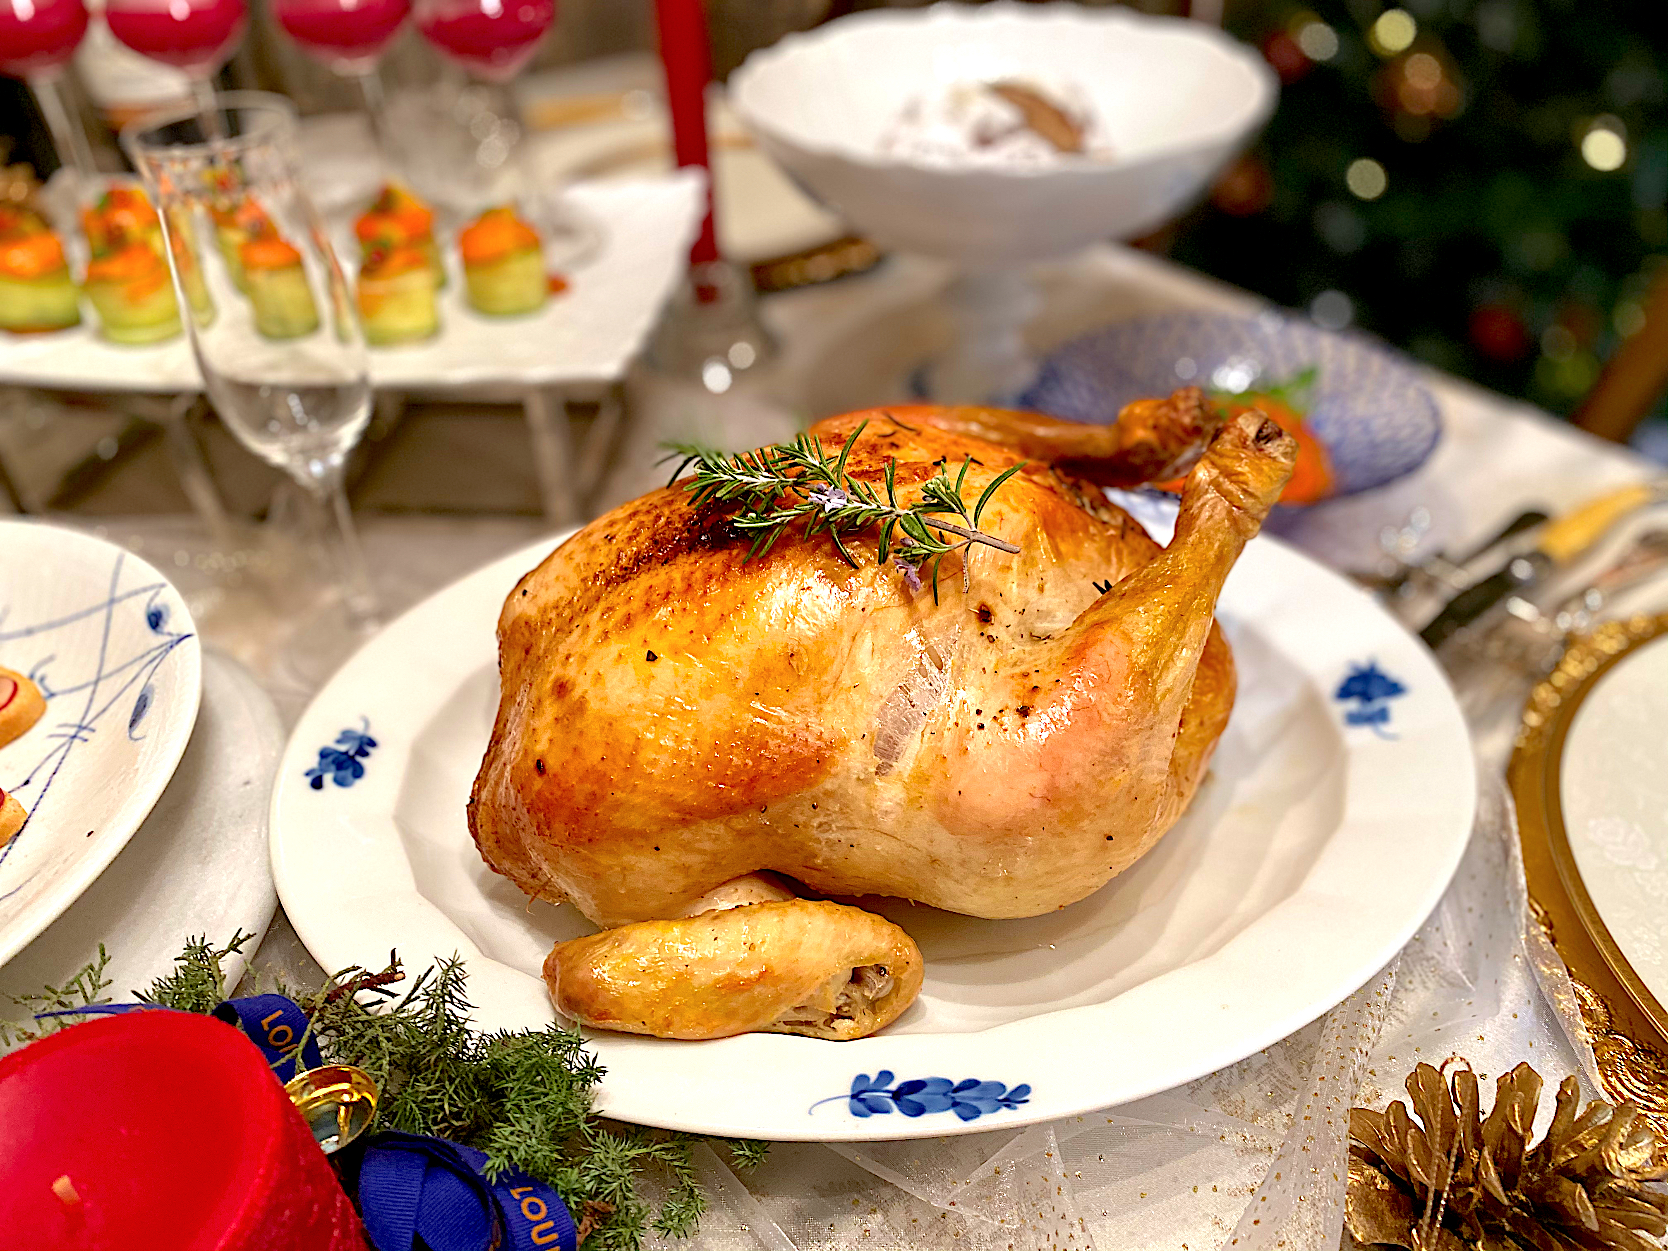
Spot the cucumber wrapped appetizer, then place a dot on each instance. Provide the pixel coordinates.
(239, 221)
(278, 289)
(398, 219)
(133, 294)
(397, 297)
(503, 264)
(36, 291)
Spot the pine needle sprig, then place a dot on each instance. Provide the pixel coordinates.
(198, 982)
(83, 990)
(776, 487)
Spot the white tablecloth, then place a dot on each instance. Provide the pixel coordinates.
(1252, 1156)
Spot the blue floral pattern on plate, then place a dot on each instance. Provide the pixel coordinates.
(343, 763)
(968, 1099)
(1368, 406)
(1370, 689)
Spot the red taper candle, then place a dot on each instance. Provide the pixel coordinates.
(160, 1129)
(688, 63)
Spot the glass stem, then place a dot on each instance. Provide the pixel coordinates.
(68, 136)
(376, 112)
(352, 574)
(202, 91)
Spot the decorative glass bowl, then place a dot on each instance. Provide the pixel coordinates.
(1366, 403)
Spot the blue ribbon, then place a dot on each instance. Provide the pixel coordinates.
(413, 1186)
(275, 1024)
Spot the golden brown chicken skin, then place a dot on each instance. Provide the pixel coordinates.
(675, 716)
(797, 967)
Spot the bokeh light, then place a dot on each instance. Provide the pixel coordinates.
(1604, 145)
(1366, 178)
(1393, 32)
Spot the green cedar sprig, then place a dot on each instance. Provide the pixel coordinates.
(777, 486)
(523, 1097)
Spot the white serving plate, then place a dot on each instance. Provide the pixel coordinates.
(1614, 792)
(113, 647)
(198, 864)
(1327, 832)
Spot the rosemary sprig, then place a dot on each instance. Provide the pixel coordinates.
(779, 485)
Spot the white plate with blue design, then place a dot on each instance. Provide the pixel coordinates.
(113, 648)
(1338, 805)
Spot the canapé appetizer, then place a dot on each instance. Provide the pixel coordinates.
(236, 222)
(278, 288)
(398, 219)
(397, 301)
(134, 295)
(36, 291)
(503, 264)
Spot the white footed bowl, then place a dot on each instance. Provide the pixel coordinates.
(1175, 99)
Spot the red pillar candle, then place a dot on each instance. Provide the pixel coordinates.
(688, 64)
(160, 1129)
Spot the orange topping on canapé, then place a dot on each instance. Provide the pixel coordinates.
(393, 262)
(397, 216)
(139, 269)
(268, 253)
(31, 256)
(493, 235)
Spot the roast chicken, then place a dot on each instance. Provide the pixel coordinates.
(999, 739)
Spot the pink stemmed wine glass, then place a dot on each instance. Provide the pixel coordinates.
(350, 37)
(493, 39)
(37, 39)
(196, 36)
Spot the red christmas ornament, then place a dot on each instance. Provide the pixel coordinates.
(160, 1129)
(1499, 333)
(1289, 60)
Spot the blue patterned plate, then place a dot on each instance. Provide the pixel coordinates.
(113, 648)
(1367, 404)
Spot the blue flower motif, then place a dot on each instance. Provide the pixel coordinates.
(341, 763)
(968, 1099)
(1370, 689)
(1369, 684)
(156, 617)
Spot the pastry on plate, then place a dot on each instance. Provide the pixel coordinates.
(133, 294)
(277, 286)
(999, 741)
(21, 705)
(37, 293)
(503, 265)
(12, 817)
(397, 297)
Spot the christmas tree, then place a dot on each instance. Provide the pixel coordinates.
(1482, 182)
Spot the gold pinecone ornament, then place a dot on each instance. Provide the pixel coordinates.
(1451, 1181)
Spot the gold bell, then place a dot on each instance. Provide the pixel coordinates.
(338, 1102)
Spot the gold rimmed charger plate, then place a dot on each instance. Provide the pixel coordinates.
(1627, 1024)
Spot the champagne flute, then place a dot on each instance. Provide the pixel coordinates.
(196, 36)
(350, 36)
(37, 39)
(285, 368)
